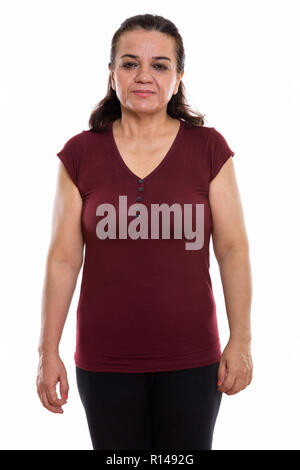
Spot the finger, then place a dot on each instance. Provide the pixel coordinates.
(228, 383)
(239, 384)
(39, 393)
(46, 404)
(53, 398)
(221, 372)
(249, 379)
(63, 386)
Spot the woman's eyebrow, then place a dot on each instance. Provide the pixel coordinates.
(137, 57)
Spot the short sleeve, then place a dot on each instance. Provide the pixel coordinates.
(219, 152)
(70, 157)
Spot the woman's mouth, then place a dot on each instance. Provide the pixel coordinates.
(143, 94)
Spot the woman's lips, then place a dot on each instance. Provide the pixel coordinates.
(143, 93)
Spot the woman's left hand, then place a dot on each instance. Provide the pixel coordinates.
(236, 367)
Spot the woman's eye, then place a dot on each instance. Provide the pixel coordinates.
(163, 66)
(128, 64)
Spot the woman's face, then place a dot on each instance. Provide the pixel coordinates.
(144, 71)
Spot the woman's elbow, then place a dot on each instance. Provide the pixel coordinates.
(64, 254)
(224, 249)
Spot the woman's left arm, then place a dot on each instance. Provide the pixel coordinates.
(231, 248)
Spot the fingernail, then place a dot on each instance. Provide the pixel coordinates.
(219, 382)
(65, 396)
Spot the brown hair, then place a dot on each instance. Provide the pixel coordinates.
(109, 109)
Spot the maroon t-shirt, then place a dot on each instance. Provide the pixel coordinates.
(146, 301)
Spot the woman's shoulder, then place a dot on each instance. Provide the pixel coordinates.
(197, 130)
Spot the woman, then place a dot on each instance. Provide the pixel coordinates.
(149, 368)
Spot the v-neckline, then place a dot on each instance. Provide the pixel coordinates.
(159, 166)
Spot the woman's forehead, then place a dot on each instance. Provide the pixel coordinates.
(146, 43)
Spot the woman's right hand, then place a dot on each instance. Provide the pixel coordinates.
(51, 370)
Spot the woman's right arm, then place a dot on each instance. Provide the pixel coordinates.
(63, 264)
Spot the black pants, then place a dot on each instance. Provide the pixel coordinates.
(151, 410)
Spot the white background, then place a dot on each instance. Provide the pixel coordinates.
(242, 72)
